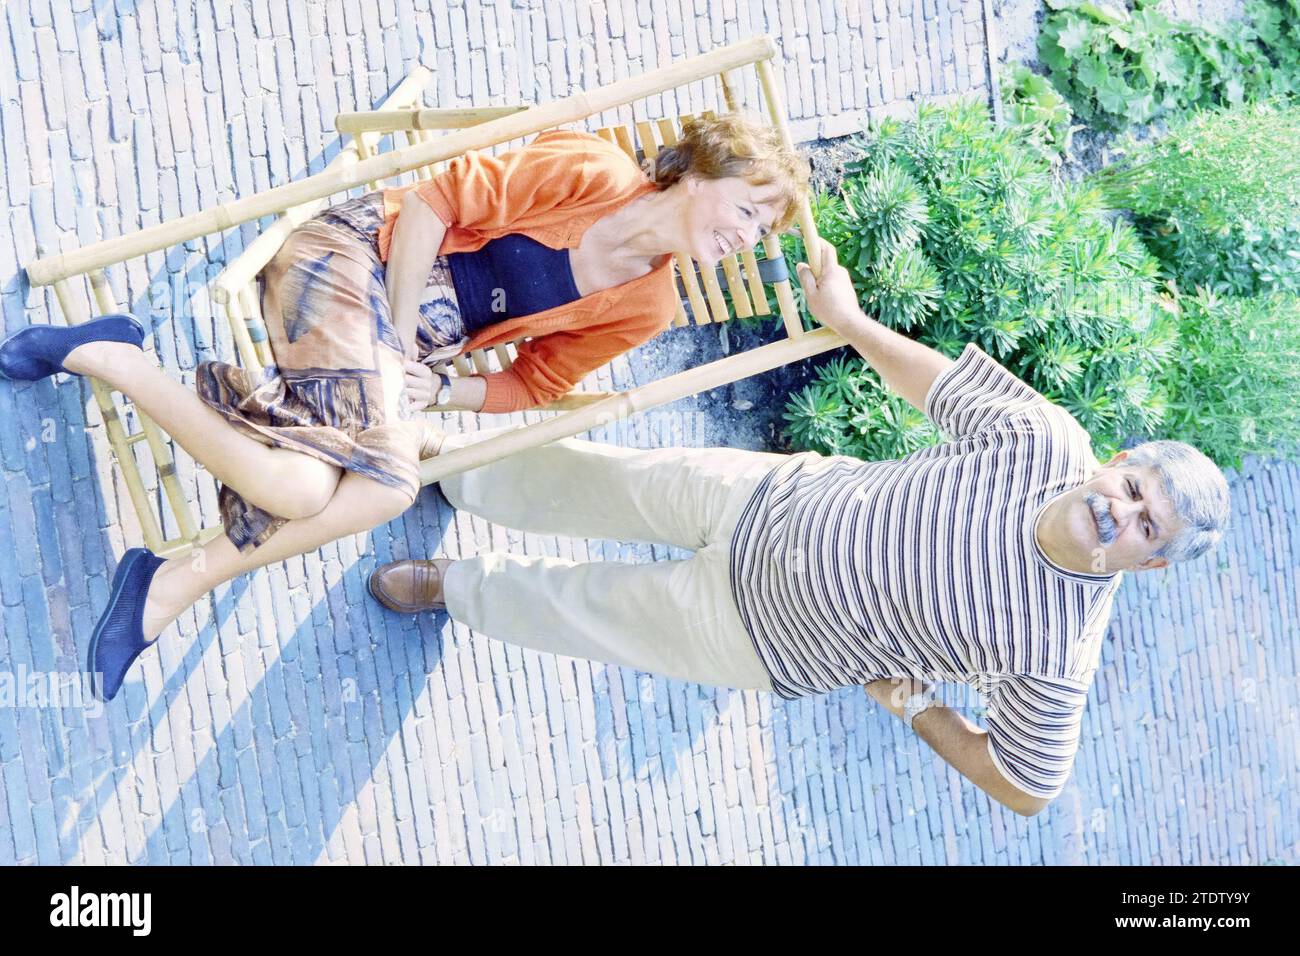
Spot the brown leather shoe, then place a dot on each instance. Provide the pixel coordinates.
(410, 586)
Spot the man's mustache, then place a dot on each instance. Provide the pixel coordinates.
(1105, 523)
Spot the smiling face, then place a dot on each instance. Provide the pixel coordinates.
(725, 215)
(1112, 522)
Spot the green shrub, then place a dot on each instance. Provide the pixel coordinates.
(1119, 67)
(847, 411)
(955, 231)
(1241, 261)
(1276, 27)
(1218, 198)
(1034, 108)
(1235, 376)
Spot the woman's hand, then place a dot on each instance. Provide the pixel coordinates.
(421, 386)
(411, 350)
(832, 300)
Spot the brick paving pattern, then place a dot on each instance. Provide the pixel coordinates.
(294, 720)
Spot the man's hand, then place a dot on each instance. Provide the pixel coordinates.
(957, 741)
(892, 692)
(421, 386)
(906, 366)
(832, 300)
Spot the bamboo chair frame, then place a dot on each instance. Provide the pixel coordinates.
(358, 165)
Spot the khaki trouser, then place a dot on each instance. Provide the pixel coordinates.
(675, 618)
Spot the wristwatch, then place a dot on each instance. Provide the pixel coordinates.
(443, 395)
(918, 703)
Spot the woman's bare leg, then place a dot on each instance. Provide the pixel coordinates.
(359, 504)
(278, 480)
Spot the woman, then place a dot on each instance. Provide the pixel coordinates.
(566, 239)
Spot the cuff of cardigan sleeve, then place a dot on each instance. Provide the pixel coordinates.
(436, 200)
(506, 393)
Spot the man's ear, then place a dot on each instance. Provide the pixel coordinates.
(1116, 458)
(1150, 564)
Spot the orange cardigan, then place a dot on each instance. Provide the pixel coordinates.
(551, 190)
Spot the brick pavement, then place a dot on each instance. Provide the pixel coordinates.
(293, 720)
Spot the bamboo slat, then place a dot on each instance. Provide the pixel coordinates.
(625, 404)
(256, 327)
(623, 136)
(158, 447)
(248, 357)
(366, 150)
(413, 137)
(730, 83)
(685, 264)
(416, 118)
(784, 294)
(757, 291)
(116, 432)
(645, 133)
(178, 547)
(736, 287)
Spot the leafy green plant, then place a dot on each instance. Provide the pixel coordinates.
(1241, 262)
(1235, 376)
(847, 410)
(1119, 67)
(1218, 198)
(1035, 108)
(955, 231)
(1275, 25)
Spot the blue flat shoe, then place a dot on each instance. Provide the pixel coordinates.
(119, 637)
(39, 350)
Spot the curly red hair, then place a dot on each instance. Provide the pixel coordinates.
(733, 144)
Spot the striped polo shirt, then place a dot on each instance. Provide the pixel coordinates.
(847, 571)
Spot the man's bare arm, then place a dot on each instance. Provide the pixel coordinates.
(959, 742)
(907, 366)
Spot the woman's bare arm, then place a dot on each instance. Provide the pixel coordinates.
(417, 237)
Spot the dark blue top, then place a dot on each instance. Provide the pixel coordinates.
(509, 277)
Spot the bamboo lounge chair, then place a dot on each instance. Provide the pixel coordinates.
(744, 277)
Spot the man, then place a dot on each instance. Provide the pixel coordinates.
(990, 559)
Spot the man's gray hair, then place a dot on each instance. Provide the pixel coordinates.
(1195, 488)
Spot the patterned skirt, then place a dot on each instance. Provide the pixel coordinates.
(335, 390)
